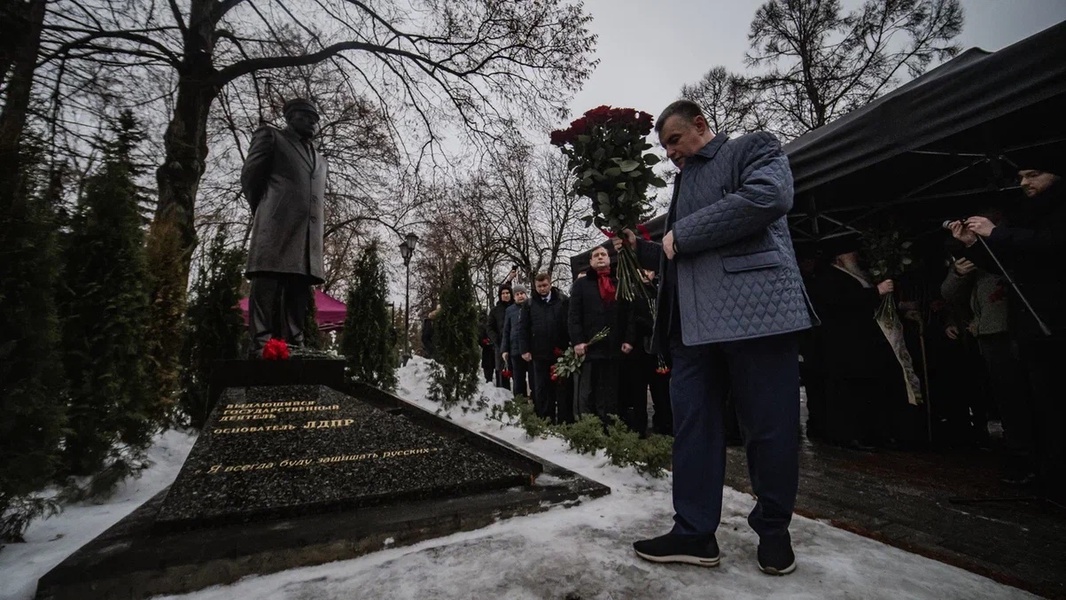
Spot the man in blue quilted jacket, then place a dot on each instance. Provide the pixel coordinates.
(729, 307)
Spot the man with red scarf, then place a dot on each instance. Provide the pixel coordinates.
(593, 307)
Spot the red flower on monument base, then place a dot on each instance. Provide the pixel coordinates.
(276, 349)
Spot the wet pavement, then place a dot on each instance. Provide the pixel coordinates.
(948, 505)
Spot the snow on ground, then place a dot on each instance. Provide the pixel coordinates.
(584, 551)
(49, 541)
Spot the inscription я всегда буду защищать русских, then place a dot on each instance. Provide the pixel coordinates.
(288, 450)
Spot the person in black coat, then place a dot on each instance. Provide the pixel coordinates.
(428, 345)
(593, 307)
(494, 330)
(1030, 248)
(488, 360)
(639, 371)
(858, 357)
(510, 345)
(544, 338)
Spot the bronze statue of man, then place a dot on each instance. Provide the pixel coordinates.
(284, 179)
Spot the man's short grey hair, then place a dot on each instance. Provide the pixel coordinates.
(686, 109)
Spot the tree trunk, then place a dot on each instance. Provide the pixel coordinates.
(20, 56)
(172, 236)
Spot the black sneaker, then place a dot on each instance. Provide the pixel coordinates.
(776, 556)
(699, 550)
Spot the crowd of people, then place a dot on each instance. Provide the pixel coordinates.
(741, 320)
(526, 332)
(994, 332)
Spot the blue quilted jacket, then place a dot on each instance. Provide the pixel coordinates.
(736, 275)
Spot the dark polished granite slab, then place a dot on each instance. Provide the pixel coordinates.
(276, 451)
(285, 476)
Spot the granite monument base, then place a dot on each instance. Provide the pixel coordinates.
(284, 476)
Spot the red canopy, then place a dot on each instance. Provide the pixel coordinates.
(330, 312)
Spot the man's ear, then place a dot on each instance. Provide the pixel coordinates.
(700, 122)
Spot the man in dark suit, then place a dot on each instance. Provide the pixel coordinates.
(284, 180)
(544, 337)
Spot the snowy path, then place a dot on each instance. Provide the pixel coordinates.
(582, 551)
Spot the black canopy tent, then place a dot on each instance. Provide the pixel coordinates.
(935, 148)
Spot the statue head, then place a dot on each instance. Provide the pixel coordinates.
(302, 117)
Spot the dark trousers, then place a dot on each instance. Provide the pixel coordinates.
(520, 376)
(814, 382)
(1044, 360)
(501, 366)
(597, 388)
(487, 363)
(858, 409)
(663, 417)
(277, 308)
(551, 399)
(763, 376)
(638, 368)
(1010, 391)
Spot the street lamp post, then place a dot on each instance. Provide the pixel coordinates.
(407, 250)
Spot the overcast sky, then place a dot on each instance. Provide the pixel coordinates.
(648, 50)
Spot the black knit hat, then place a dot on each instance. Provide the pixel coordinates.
(1046, 158)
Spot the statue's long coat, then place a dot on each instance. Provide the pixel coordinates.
(284, 182)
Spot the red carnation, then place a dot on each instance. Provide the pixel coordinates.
(557, 352)
(506, 372)
(276, 349)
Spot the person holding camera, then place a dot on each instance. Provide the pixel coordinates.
(1034, 237)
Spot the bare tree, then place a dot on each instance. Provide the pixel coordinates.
(21, 29)
(821, 63)
(481, 64)
(354, 137)
(730, 101)
(516, 211)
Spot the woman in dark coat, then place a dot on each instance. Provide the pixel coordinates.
(592, 308)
